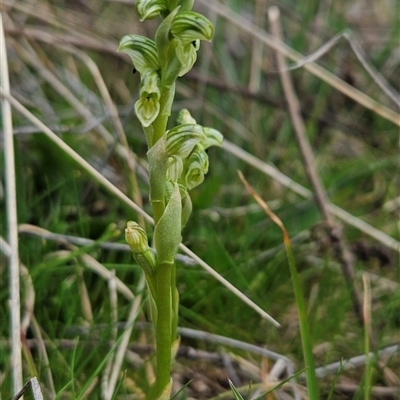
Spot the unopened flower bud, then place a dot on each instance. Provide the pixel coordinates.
(136, 237)
(184, 117)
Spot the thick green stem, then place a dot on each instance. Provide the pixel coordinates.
(163, 333)
(158, 209)
(175, 304)
(166, 99)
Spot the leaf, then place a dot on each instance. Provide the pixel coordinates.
(236, 393)
(167, 233)
(280, 384)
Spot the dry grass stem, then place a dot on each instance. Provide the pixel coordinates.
(130, 161)
(315, 69)
(356, 361)
(76, 157)
(343, 215)
(80, 241)
(29, 297)
(120, 352)
(225, 341)
(32, 58)
(112, 288)
(308, 158)
(45, 364)
(362, 57)
(12, 219)
(257, 49)
(366, 309)
(86, 306)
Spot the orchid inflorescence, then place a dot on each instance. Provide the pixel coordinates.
(177, 160)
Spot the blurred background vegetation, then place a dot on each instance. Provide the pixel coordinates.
(234, 87)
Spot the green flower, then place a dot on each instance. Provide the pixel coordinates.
(213, 138)
(175, 168)
(143, 52)
(149, 9)
(148, 105)
(182, 138)
(197, 167)
(188, 28)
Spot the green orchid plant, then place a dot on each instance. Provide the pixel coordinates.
(177, 161)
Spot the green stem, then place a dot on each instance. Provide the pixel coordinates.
(163, 333)
(175, 304)
(158, 207)
(304, 331)
(166, 99)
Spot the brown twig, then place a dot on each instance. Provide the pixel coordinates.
(338, 243)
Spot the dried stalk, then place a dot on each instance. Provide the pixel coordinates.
(338, 242)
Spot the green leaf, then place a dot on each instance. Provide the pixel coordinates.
(281, 383)
(142, 51)
(163, 38)
(187, 208)
(181, 390)
(167, 233)
(158, 164)
(164, 395)
(235, 392)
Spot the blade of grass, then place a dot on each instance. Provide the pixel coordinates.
(304, 330)
(280, 384)
(335, 379)
(235, 392)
